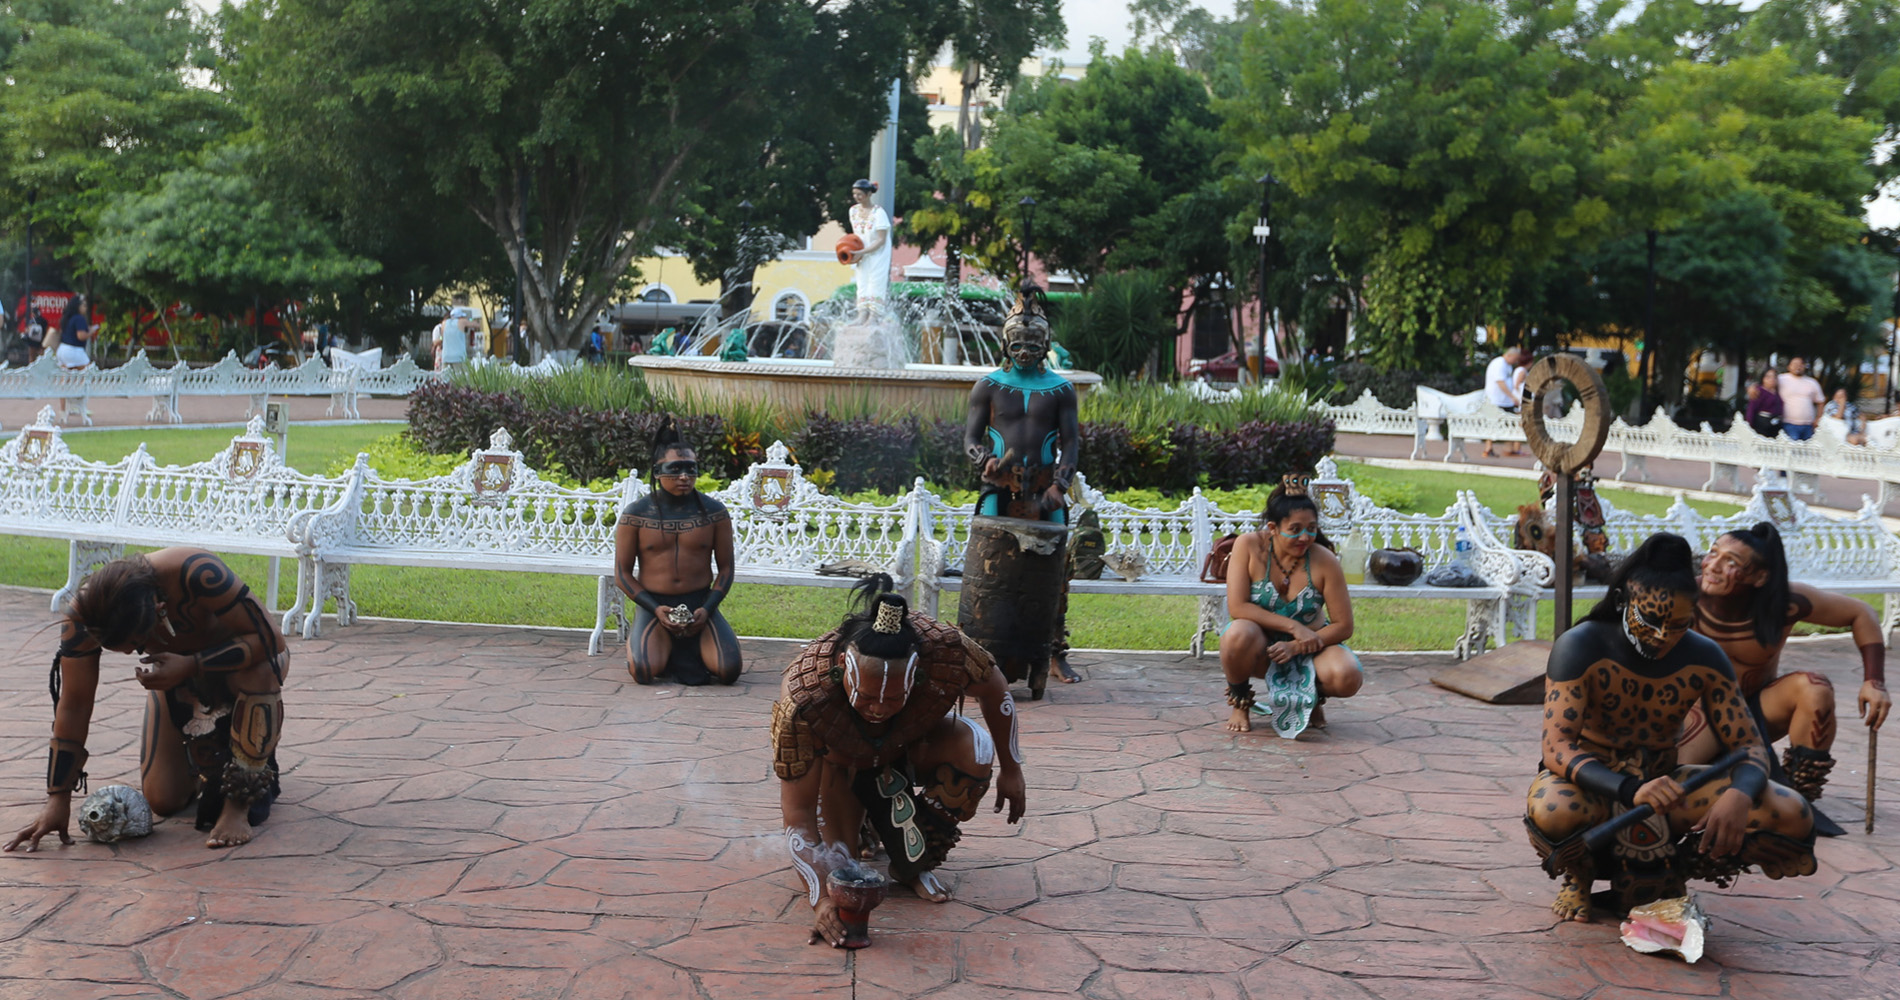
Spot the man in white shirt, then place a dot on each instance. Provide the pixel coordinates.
(1501, 380)
(1801, 401)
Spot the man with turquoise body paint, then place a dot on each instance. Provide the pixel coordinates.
(1024, 433)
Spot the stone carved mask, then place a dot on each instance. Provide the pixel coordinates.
(1026, 332)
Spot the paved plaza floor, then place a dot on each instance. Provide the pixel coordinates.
(489, 813)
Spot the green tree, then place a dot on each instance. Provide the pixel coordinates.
(95, 102)
(206, 235)
(1435, 145)
(575, 133)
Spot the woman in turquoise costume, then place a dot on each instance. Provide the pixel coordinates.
(1292, 616)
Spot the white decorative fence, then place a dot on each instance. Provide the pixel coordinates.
(496, 513)
(1468, 418)
(45, 379)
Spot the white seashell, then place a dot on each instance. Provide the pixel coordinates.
(1680, 913)
(115, 812)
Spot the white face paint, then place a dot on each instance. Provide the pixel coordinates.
(1015, 742)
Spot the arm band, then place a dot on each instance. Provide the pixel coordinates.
(645, 600)
(1748, 778)
(1873, 662)
(712, 601)
(1595, 777)
(65, 766)
(227, 658)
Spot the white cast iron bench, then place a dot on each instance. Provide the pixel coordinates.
(1853, 555)
(241, 500)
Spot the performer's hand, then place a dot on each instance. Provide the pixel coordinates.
(1009, 788)
(697, 625)
(991, 467)
(1661, 794)
(1302, 636)
(1052, 499)
(1875, 703)
(826, 926)
(52, 819)
(1280, 652)
(1725, 822)
(164, 671)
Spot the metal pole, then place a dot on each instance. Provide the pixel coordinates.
(1028, 206)
(1566, 490)
(1263, 231)
(1893, 336)
(1649, 328)
(27, 320)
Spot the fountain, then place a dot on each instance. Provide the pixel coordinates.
(917, 353)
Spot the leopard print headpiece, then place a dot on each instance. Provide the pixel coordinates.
(890, 618)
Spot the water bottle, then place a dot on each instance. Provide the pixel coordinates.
(1462, 548)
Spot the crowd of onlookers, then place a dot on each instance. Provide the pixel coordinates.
(1792, 403)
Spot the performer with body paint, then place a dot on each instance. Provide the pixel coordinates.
(1618, 687)
(1023, 433)
(673, 559)
(1749, 606)
(214, 663)
(866, 728)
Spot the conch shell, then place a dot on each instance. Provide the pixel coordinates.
(1674, 925)
(115, 812)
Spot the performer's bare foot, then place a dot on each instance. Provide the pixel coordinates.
(1573, 901)
(1317, 719)
(1066, 672)
(1239, 722)
(926, 886)
(233, 827)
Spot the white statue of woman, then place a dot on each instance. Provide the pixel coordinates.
(873, 263)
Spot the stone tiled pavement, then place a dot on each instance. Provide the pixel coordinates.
(488, 813)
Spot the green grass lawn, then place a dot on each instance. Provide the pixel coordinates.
(1095, 620)
(308, 448)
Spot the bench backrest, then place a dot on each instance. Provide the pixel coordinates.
(43, 484)
(244, 492)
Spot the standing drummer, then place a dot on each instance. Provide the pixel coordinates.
(1024, 433)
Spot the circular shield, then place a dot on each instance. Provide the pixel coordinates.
(1545, 377)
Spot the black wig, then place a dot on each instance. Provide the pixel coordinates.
(1663, 560)
(870, 594)
(1770, 610)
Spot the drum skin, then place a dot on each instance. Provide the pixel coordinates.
(1012, 587)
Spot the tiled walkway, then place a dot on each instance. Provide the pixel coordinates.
(488, 813)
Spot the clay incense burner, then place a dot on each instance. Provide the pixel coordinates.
(857, 891)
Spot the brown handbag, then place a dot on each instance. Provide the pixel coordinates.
(1214, 570)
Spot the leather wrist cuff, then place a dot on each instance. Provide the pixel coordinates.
(65, 766)
(1873, 662)
(1595, 777)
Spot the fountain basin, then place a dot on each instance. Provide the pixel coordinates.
(800, 384)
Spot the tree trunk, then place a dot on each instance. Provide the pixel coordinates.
(737, 292)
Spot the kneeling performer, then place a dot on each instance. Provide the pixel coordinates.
(667, 547)
(865, 716)
(1749, 606)
(214, 663)
(1617, 689)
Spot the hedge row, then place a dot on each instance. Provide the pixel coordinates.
(861, 452)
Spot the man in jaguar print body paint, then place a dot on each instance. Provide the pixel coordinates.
(1749, 606)
(673, 560)
(1618, 687)
(865, 733)
(214, 663)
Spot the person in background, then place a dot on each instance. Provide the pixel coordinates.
(1502, 377)
(1848, 413)
(75, 330)
(1764, 406)
(1801, 399)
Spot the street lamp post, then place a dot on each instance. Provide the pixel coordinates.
(27, 320)
(1649, 327)
(1028, 205)
(1893, 335)
(1262, 231)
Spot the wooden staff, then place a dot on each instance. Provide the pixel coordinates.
(1873, 743)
